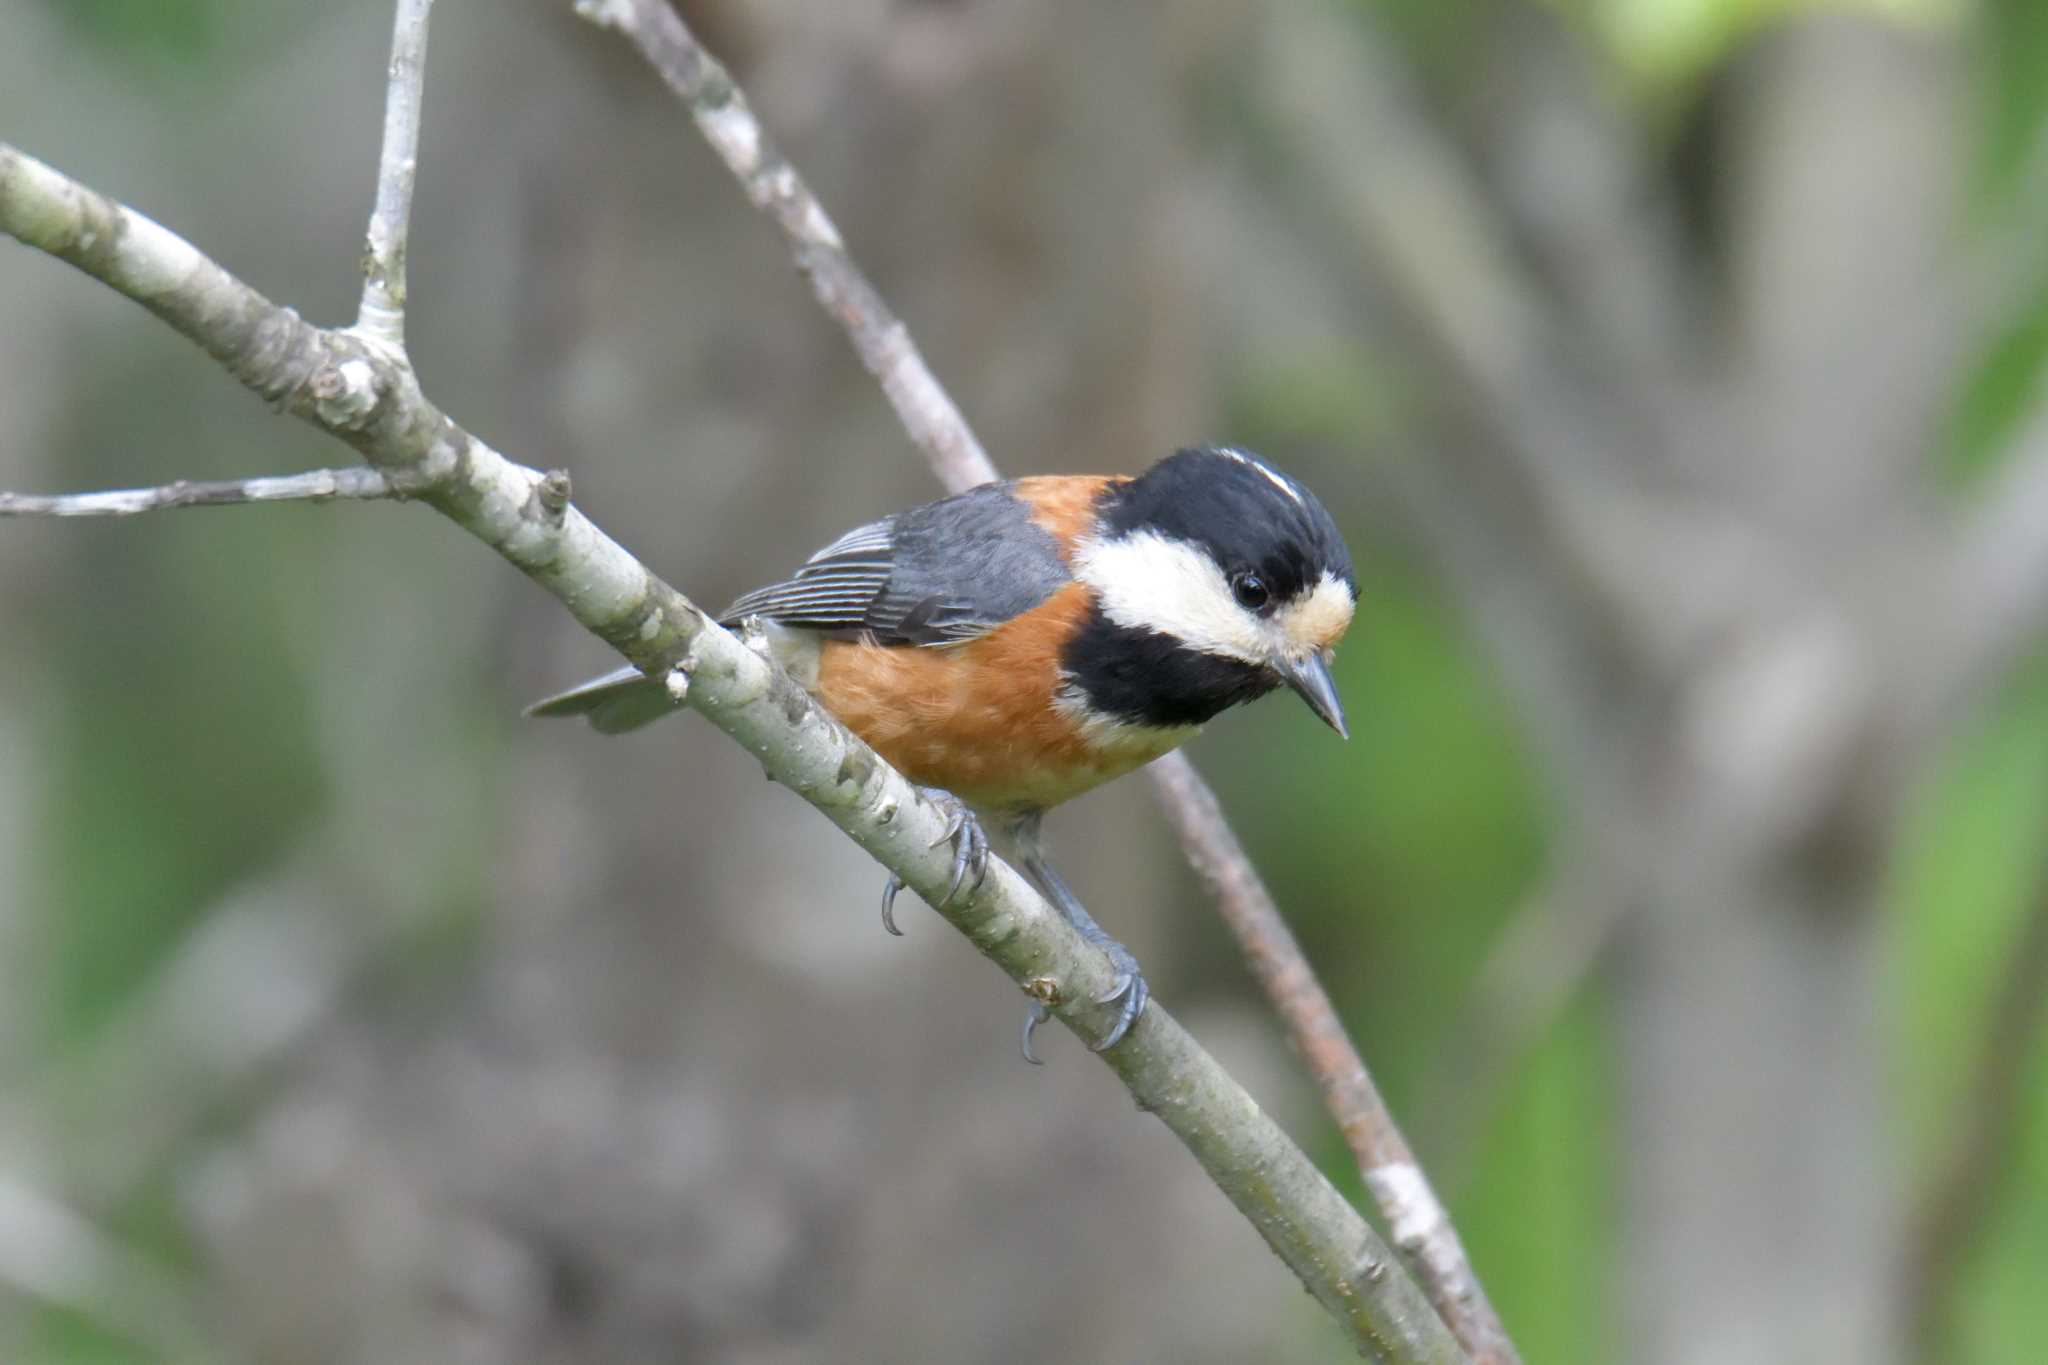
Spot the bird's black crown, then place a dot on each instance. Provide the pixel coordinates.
(1246, 514)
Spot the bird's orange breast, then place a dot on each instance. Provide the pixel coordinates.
(982, 719)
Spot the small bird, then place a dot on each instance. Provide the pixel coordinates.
(1010, 647)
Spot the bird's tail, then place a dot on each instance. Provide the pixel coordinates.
(613, 704)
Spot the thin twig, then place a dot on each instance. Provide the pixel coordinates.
(1958, 1201)
(382, 315)
(1422, 1228)
(362, 392)
(317, 485)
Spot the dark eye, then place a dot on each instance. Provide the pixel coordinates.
(1249, 589)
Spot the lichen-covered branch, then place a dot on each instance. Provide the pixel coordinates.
(934, 422)
(318, 485)
(366, 393)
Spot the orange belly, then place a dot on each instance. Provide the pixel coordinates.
(979, 719)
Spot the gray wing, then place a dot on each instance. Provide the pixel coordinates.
(935, 575)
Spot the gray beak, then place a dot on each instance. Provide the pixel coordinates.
(1311, 678)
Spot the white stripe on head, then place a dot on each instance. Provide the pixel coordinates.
(1273, 476)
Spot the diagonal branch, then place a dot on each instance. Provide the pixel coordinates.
(318, 485)
(367, 395)
(1424, 1234)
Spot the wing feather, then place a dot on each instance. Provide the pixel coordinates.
(834, 588)
(873, 536)
(939, 574)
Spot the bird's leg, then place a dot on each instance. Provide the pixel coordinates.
(970, 855)
(1129, 985)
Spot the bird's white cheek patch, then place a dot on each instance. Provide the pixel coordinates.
(1146, 581)
(1317, 621)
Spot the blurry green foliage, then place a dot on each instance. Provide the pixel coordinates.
(1970, 870)
(1661, 47)
(167, 788)
(180, 30)
(1538, 1215)
(2013, 43)
(1437, 33)
(1999, 393)
(1660, 44)
(1337, 396)
(61, 1337)
(178, 41)
(2013, 46)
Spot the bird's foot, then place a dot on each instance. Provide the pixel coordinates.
(970, 856)
(1128, 986)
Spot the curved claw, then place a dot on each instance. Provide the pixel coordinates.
(1131, 987)
(970, 848)
(889, 891)
(1033, 1017)
(970, 857)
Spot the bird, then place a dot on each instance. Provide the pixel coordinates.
(1017, 644)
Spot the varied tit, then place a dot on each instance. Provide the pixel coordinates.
(1022, 642)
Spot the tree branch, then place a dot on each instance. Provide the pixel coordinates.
(1423, 1230)
(365, 393)
(318, 485)
(382, 315)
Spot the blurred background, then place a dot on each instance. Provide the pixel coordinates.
(1675, 369)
